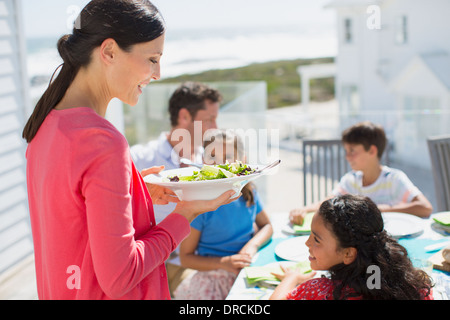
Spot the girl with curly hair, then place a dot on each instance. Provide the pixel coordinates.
(347, 237)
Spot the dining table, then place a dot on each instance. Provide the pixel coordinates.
(423, 238)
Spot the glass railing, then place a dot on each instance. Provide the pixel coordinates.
(150, 117)
(269, 133)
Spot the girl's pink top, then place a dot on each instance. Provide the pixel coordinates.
(92, 218)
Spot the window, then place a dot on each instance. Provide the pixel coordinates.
(348, 30)
(401, 30)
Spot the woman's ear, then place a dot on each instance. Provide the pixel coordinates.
(350, 255)
(108, 50)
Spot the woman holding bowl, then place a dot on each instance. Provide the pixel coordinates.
(92, 218)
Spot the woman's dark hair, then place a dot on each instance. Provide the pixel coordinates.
(128, 22)
(357, 222)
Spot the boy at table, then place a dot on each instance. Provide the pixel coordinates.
(389, 188)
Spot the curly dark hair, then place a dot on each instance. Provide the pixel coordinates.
(357, 222)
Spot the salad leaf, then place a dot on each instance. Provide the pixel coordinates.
(214, 172)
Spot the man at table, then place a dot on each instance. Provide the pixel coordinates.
(193, 109)
(389, 188)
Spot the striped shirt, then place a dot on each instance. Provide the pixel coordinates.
(392, 187)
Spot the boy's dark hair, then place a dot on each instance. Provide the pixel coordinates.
(367, 134)
(191, 96)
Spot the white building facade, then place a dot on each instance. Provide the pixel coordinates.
(393, 67)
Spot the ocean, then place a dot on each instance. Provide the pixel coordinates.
(191, 51)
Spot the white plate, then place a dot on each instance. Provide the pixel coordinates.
(400, 225)
(438, 214)
(293, 249)
(202, 190)
(288, 228)
(444, 229)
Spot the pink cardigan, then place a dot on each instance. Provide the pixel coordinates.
(91, 214)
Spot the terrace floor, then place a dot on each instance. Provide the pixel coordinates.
(19, 283)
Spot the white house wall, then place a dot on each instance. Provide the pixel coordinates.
(428, 30)
(422, 100)
(358, 61)
(374, 59)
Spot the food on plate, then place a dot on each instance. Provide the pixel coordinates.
(213, 172)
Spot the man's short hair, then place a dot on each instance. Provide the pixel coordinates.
(191, 96)
(367, 134)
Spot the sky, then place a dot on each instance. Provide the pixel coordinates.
(51, 17)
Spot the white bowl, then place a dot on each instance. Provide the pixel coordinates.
(201, 190)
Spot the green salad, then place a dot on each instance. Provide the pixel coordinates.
(220, 171)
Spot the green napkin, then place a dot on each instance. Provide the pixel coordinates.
(306, 226)
(443, 218)
(264, 273)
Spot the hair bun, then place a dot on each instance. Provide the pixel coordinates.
(65, 51)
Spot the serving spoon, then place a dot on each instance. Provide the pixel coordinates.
(190, 163)
(273, 164)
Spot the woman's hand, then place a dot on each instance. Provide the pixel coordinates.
(160, 195)
(191, 209)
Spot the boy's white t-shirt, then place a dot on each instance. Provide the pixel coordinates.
(392, 187)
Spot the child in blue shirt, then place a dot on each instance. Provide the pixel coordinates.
(224, 241)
